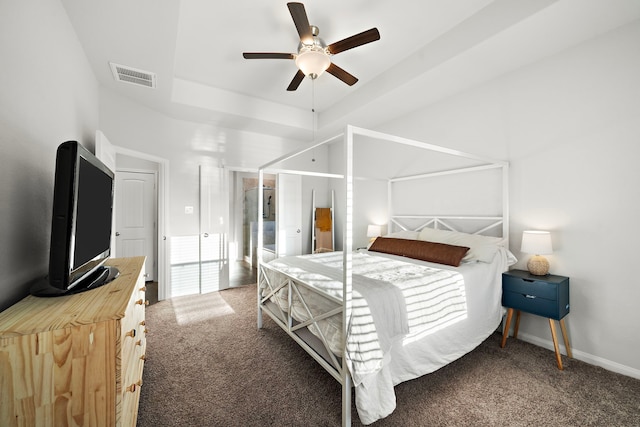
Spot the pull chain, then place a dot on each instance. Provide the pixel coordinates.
(313, 117)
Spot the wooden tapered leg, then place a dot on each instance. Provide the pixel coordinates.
(507, 325)
(566, 338)
(517, 326)
(555, 343)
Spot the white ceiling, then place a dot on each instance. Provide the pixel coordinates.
(428, 49)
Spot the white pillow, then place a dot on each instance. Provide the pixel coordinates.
(404, 234)
(481, 248)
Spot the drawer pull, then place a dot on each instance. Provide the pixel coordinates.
(131, 333)
(132, 387)
(529, 296)
(142, 302)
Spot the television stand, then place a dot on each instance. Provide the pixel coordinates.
(76, 361)
(100, 276)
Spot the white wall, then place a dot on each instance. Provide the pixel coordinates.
(186, 145)
(569, 127)
(48, 95)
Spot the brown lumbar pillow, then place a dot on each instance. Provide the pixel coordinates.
(440, 253)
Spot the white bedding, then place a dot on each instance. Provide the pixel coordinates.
(419, 354)
(391, 298)
(391, 342)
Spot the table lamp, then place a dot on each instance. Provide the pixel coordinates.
(374, 231)
(537, 243)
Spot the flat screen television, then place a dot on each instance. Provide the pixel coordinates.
(81, 224)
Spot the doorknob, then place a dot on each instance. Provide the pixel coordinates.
(298, 230)
(117, 233)
(206, 234)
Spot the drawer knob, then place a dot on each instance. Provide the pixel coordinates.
(146, 331)
(143, 289)
(131, 333)
(132, 387)
(139, 342)
(143, 357)
(143, 323)
(142, 302)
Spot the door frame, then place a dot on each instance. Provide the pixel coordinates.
(162, 194)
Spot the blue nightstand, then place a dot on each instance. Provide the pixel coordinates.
(546, 296)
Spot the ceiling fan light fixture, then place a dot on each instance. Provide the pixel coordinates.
(312, 60)
(314, 56)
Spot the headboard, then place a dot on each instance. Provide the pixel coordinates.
(482, 225)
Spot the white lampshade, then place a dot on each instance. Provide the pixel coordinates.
(536, 242)
(374, 230)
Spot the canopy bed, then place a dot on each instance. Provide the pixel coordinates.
(418, 298)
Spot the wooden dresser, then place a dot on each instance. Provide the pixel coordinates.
(75, 360)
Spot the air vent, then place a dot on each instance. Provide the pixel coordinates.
(122, 73)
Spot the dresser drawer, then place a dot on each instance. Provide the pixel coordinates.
(530, 304)
(531, 287)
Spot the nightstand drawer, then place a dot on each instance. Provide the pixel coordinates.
(535, 288)
(531, 304)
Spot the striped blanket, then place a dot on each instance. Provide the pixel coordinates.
(390, 299)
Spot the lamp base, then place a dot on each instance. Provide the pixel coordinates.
(538, 265)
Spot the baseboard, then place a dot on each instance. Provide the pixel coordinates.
(582, 356)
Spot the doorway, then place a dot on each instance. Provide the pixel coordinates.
(111, 154)
(250, 217)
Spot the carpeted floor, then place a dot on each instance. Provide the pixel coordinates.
(208, 365)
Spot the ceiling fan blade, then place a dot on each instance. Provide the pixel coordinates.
(354, 41)
(299, 16)
(267, 55)
(297, 79)
(341, 74)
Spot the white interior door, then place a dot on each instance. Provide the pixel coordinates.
(214, 229)
(289, 215)
(136, 217)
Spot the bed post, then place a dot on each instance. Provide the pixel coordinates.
(505, 203)
(260, 243)
(347, 257)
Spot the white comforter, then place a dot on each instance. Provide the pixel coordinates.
(421, 350)
(391, 298)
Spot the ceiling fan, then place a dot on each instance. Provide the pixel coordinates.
(314, 56)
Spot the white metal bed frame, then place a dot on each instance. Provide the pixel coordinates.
(318, 348)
